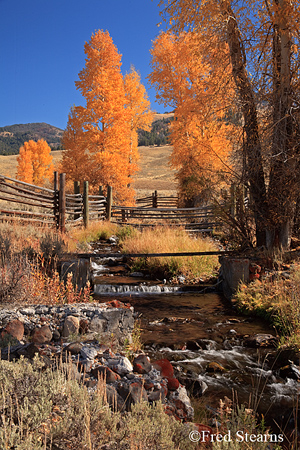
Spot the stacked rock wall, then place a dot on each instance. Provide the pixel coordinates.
(112, 321)
(51, 332)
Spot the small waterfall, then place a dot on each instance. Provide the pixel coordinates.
(111, 289)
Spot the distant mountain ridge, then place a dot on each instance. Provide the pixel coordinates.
(12, 137)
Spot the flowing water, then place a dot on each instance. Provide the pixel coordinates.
(204, 338)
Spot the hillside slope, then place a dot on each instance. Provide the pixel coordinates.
(155, 173)
(13, 137)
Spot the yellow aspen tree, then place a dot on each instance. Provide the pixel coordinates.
(76, 160)
(104, 119)
(100, 139)
(41, 162)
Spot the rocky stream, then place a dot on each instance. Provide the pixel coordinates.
(195, 344)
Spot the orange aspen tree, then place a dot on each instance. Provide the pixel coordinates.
(102, 131)
(76, 160)
(35, 162)
(140, 114)
(263, 40)
(24, 167)
(184, 80)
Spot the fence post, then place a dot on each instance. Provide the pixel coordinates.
(62, 203)
(76, 191)
(86, 203)
(108, 203)
(154, 199)
(101, 191)
(55, 200)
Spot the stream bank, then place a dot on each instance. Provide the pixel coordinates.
(215, 351)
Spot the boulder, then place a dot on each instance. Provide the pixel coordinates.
(165, 368)
(42, 335)
(28, 350)
(158, 393)
(121, 365)
(114, 399)
(74, 348)
(15, 328)
(71, 326)
(132, 393)
(180, 400)
(173, 383)
(141, 364)
(89, 352)
(261, 340)
(98, 325)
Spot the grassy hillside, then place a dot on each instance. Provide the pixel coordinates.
(154, 174)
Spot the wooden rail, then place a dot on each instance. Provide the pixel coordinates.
(154, 255)
(34, 203)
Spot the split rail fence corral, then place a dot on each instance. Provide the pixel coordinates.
(24, 202)
(20, 201)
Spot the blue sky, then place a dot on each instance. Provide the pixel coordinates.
(41, 48)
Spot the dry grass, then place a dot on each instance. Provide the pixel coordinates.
(79, 238)
(164, 240)
(28, 269)
(8, 163)
(154, 173)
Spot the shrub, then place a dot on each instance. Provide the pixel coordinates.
(275, 300)
(41, 408)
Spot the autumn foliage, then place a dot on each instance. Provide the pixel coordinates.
(101, 137)
(260, 39)
(35, 162)
(193, 85)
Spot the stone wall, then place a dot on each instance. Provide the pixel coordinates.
(112, 321)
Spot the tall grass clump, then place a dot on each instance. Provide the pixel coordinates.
(238, 423)
(42, 408)
(79, 238)
(278, 301)
(171, 240)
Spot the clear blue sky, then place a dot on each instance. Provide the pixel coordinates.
(41, 47)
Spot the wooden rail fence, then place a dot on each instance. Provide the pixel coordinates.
(49, 206)
(193, 219)
(20, 201)
(156, 201)
(38, 204)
